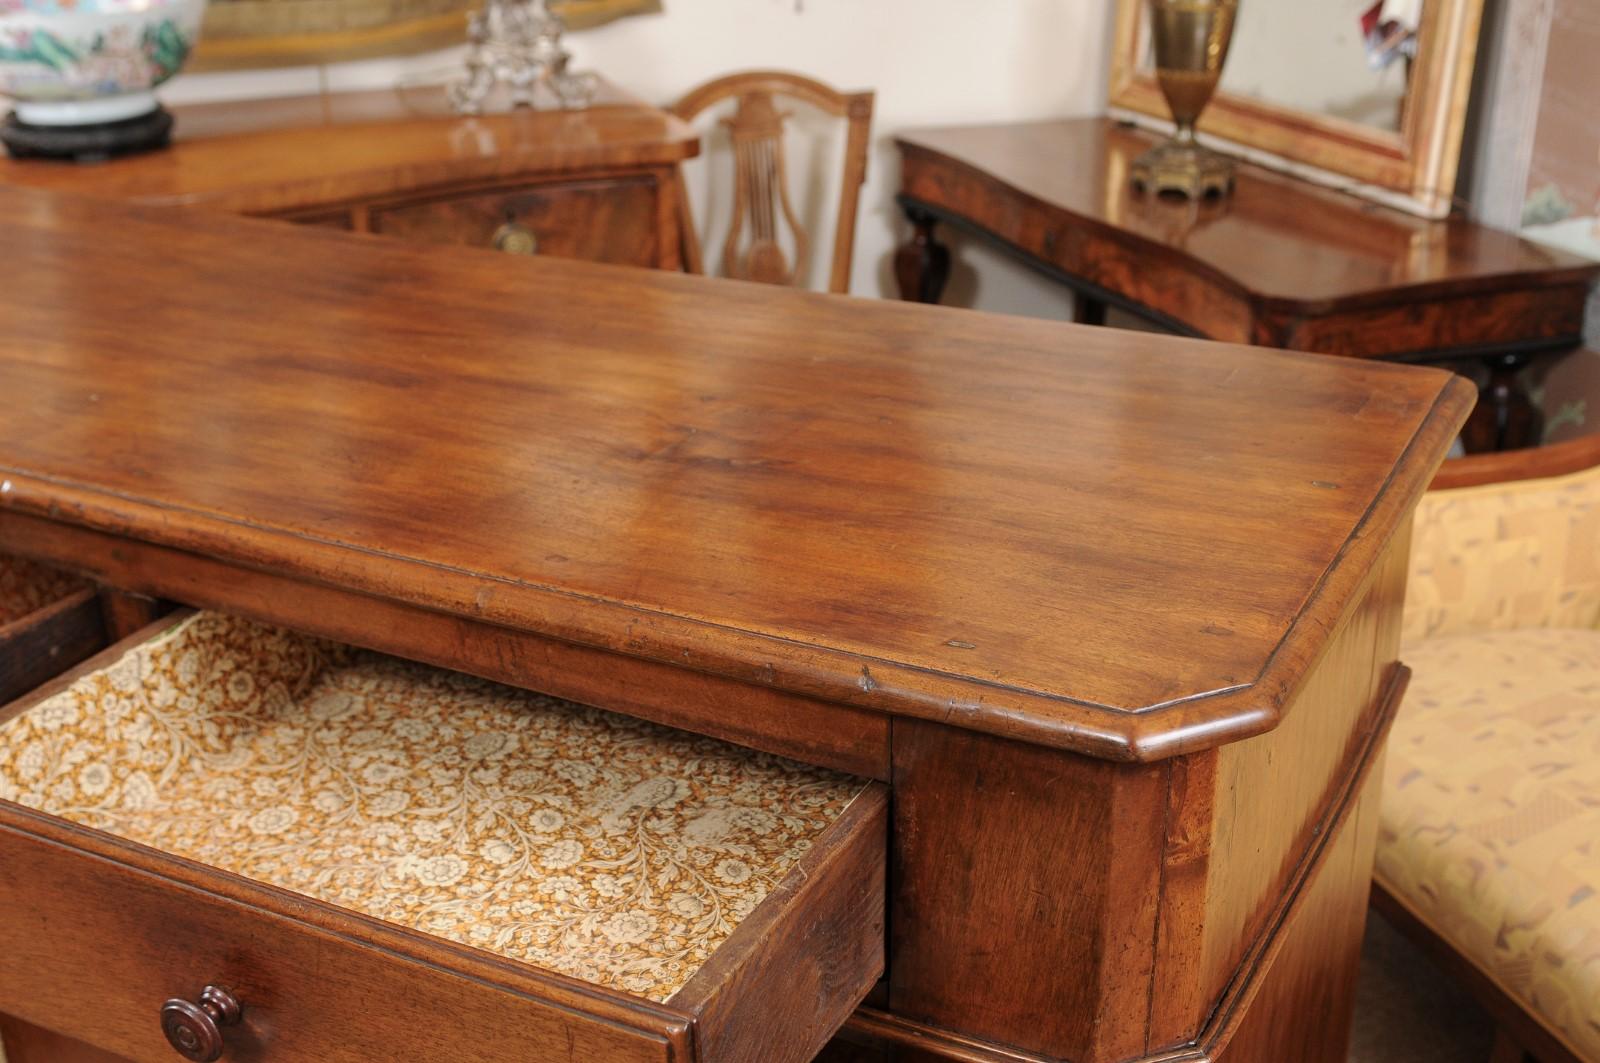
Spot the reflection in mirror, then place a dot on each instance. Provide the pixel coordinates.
(1344, 59)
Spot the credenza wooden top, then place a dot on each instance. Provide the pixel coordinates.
(283, 154)
(1116, 542)
(1278, 238)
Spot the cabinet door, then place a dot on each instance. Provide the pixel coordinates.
(612, 220)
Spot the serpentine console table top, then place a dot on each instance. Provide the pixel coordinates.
(1089, 539)
(1281, 262)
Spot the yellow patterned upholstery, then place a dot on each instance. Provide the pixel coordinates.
(1491, 818)
(26, 587)
(1505, 556)
(582, 842)
(1490, 828)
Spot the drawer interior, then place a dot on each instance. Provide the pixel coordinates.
(613, 852)
(27, 587)
(49, 621)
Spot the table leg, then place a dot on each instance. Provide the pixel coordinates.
(922, 265)
(1087, 310)
(1505, 417)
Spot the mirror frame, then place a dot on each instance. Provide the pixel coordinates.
(1418, 163)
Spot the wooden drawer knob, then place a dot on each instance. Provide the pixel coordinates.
(195, 1030)
(515, 238)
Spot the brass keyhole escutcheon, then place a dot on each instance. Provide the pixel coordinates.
(195, 1030)
(514, 238)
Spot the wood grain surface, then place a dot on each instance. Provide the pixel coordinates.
(275, 156)
(1125, 544)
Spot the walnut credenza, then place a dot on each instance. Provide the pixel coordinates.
(595, 184)
(1112, 618)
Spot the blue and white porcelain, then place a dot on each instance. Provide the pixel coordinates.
(83, 62)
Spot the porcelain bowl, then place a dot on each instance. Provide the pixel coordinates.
(79, 62)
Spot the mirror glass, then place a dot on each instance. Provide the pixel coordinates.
(1344, 59)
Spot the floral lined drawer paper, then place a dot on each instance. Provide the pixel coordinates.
(576, 840)
(26, 587)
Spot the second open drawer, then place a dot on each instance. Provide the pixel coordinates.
(379, 860)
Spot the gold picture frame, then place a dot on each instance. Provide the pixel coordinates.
(1417, 164)
(244, 34)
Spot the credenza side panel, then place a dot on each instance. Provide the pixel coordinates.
(1248, 815)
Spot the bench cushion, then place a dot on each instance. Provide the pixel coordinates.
(1491, 814)
(1502, 556)
(605, 848)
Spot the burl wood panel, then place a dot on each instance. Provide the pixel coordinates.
(601, 221)
(872, 504)
(1280, 262)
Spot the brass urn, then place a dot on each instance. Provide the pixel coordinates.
(1191, 44)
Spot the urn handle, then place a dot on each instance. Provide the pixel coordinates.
(514, 238)
(195, 1030)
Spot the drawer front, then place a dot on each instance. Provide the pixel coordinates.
(87, 914)
(93, 947)
(599, 221)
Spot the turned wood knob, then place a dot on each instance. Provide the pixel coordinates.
(195, 1030)
(516, 239)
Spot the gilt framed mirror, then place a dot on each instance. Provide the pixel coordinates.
(1306, 88)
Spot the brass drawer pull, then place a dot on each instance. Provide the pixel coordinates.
(195, 1030)
(515, 238)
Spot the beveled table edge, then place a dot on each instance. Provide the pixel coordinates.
(1141, 734)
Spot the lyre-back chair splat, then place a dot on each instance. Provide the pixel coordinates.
(763, 207)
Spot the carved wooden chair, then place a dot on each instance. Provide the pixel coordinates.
(763, 207)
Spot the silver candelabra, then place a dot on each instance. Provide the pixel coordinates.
(517, 43)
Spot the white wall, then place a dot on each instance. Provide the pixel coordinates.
(932, 62)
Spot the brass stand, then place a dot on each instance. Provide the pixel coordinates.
(1183, 166)
(1191, 44)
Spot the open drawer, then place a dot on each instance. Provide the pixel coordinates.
(376, 860)
(49, 621)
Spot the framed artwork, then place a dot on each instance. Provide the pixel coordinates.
(240, 34)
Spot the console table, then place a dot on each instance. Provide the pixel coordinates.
(595, 184)
(1113, 616)
(1281, 263)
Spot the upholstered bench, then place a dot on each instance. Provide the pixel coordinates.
(1489, 846)
(616, 865)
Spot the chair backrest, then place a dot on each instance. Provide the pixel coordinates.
(762, 206)
(1508, 541)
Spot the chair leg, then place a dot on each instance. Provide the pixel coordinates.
(1506, 1048)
